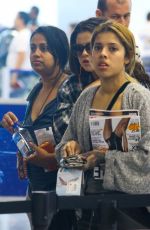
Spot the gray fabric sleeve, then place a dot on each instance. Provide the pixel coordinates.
(70, 134)
(72, 129)
(130, 171)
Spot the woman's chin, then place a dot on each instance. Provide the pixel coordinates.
(87, 68)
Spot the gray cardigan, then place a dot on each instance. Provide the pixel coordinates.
(125, 171)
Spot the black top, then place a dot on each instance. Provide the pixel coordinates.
(38, 178)
(55, 114)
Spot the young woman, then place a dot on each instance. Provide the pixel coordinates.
(81, 67)
(49, 51)
(113, 56)
(83, 74)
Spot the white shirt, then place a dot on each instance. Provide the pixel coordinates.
(20, 43)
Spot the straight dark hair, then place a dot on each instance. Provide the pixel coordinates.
(83, 26)
(57, 42)
(24, 17)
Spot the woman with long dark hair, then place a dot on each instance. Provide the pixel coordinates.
(49, 51)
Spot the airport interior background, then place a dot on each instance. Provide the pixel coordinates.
(62, 14)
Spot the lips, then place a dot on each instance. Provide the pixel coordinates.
(85, 61)
(103, 66)
(36, 62)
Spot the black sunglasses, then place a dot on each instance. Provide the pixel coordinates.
(79, 48)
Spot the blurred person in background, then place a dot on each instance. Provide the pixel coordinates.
(145, 44)
(6, 36)
(33, 15)
(22, 76)
(119, 11)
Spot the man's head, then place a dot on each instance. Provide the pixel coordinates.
(117, 10)
(148, 16)
(34, 12)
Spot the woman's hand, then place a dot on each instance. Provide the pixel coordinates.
(94, 158)
(8, 121)
(42, 158)
(71, 148)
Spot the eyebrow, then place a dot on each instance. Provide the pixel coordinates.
(110, 43)
(116, 14)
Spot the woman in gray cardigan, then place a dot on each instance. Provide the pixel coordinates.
(124, 171)
(113, 56)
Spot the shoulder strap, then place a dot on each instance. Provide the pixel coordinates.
(120, 90)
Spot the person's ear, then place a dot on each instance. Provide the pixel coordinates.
(98, 13)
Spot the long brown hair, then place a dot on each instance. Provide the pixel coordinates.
(133, 68)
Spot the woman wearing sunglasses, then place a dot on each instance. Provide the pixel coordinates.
(80, 65)
(83, 75)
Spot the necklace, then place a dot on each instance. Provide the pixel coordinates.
(49, 93)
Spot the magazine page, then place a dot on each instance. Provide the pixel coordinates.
(112, 132)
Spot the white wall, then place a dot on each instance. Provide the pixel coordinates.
(70, 11)
(48, 10)
(77, 10)
(62, 12)
(140, 8)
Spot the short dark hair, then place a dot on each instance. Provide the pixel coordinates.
(35, 9)
(24, 17)
(57, 42)
(102, 5)
(83, 26)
